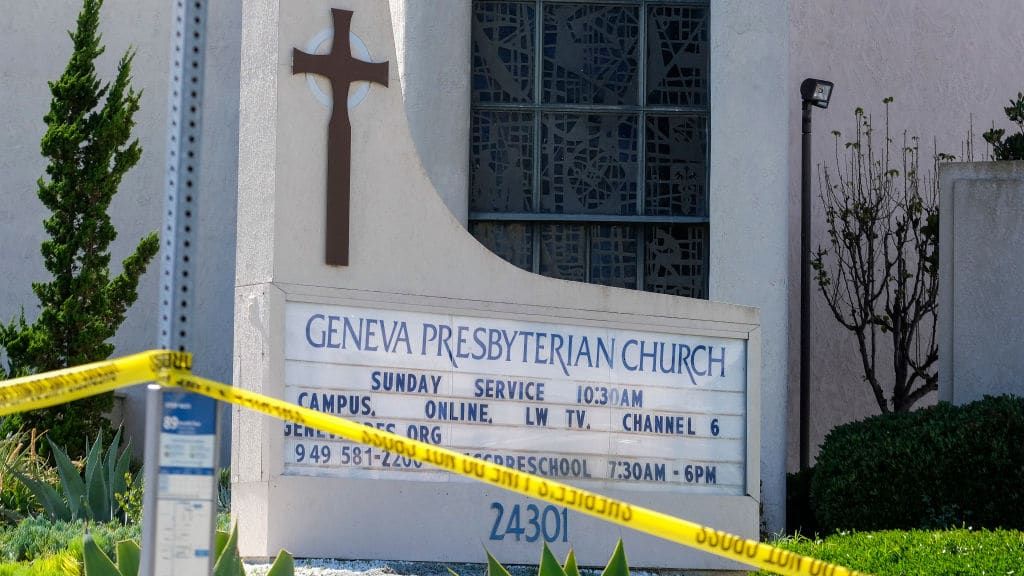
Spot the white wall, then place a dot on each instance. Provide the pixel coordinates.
(748, 201)
(33, 38)
(435, 83)
(981, 338)
(942, 61)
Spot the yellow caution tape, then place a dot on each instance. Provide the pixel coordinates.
(622, 513)
(60, 386)
(173, 368)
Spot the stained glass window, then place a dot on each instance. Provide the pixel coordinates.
(590, 139)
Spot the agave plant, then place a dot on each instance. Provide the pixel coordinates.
(227, 560)
(549, 565)
(89, 495)
(16, 453)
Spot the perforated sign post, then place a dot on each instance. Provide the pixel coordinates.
(181, 435)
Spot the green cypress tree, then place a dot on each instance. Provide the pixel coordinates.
(89, 145)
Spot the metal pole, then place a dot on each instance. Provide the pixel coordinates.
(805, 288)
(179, 502)
(151, 478)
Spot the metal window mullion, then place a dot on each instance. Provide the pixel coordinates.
(641, 158)
(707, 261)
(570, 218)
(707, 162)
(535, 239)
(641, 254)
(641, 191)
(707, 133)
(538, 78)
(696, 3)
(588, 108)
(587, 246)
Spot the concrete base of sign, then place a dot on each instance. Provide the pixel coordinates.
(351, 522)
(410, 255)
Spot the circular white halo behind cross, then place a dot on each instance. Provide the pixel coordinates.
(359, 51)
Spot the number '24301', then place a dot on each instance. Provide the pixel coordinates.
(550, 523)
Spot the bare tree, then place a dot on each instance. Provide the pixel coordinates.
(880, 273)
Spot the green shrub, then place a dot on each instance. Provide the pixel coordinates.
(1012, 147)
(38, 538)
(130, 500)
(937, 467)
(919, 553)
(59, 565)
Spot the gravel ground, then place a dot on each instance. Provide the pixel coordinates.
(374, 568)
(380, 568)
(383, 568)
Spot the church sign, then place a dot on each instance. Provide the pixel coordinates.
(596, 406)
(410, 325)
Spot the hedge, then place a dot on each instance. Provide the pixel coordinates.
(942, 466)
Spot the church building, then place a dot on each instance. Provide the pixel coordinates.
(602, 173)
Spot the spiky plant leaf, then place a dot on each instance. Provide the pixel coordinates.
(92, 456)
(70, 479)
(617, 565)
(128, 557)
(52, 503)
(110, 460)
(229, 563)
(96, 485)
(284, 565)
(96, 562)
(494, 568)
(117, 468)
(220, 541)
(571, 569)
(118, 484)
(549, 565)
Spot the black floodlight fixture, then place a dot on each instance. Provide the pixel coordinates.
(816, 92)
(813, 93)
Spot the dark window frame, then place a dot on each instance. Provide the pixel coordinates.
(643, 223)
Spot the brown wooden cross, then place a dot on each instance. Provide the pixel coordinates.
(341, 69)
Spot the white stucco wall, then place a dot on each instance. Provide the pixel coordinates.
(943, 62)
(33, 36)
(748, 197)
(981, 338)
(433, 63)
